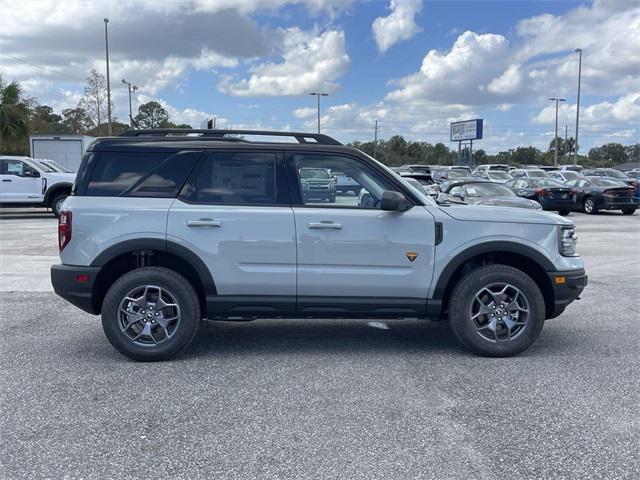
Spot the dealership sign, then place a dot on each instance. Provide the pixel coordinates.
(466, 130)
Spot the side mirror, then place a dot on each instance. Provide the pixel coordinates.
(393, 202)
(31, 172)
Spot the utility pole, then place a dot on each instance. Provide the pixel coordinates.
(564, 150)
(376, 129)
(131, 88)
(575, 150)
(318, 94)
(106, 44)
(555, 147)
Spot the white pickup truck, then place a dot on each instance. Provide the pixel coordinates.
(25, 182)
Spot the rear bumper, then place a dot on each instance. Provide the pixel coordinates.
(564, 204)
(64, 279)
(567, 287)
(617, 203)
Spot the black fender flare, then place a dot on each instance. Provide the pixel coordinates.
(206, 279)
(55, 188)
(486, 248)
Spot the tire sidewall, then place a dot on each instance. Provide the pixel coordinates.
(181, 290)
(463, 295)
(58, 199)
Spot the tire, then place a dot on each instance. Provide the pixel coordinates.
(629, 211)
(482, 340)
(164, 342)
(564, 213)
(589, 206)
(56, 202)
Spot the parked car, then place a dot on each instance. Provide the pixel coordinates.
(442, 174)
(345, 184)
(54, 165)
(480, 170)
(528, 173)
(418, 168)
(601, 193)
(488, 193)
(564, 175)
(573, 168)
(635, 174)
(497, 176)
(551, 194)
(167, 227)
(611, 173)
(25, 182)
(317, 184)
(425, 180)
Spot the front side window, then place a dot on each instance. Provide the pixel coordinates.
(318, 186)
(234, 178)
(13, 167)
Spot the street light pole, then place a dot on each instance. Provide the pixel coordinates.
(134, 88)
(555, 147)
(106, 44)
(318, 94)
(575, 150)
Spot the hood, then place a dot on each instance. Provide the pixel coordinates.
(60, 177)
(487, 213)
(506, 201)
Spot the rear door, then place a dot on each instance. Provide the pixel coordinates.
(234, 213)
(352, 256)
(16, 186)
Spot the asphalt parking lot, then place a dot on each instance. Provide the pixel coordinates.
(321, 399)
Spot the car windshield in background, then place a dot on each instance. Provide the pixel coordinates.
(417, 185)
(569, 175)
(487, 190)
(610, 172)
(537, 173)
(499, 174)
(546, 182)
(46, 167)
(314, 174)
(458, 173)
(607, 182)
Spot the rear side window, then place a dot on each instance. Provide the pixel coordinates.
(234, 178)
(141, 174)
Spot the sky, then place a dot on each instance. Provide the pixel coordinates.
(412, 65)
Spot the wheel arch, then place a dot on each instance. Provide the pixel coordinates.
(129, 255)
(522, 257)
(54, 189)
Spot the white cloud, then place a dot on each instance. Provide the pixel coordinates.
(398, 25)
(626, 109)
(310, 62)
(304, 112)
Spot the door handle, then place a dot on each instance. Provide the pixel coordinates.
(203, 222)
(6, 180)
(325, 225)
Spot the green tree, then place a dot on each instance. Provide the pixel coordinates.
(44, 120)
(441, 154)
(611, 153)
(14, 117)
(94, 100)
(152, 115)
(75, 120)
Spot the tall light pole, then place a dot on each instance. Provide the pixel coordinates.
(555, 146)
(131, 88)
(575, 149)
(376, 129)
(106, 45)
(318, 94)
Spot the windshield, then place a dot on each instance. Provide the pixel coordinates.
(457, 173)
(569, 175)
(499, 175)
(615, 173)
(537, 173)
(487, 190)
(46, 167)
(547, 182)
(314, 174)
(607, 182)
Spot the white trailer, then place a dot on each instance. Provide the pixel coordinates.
(67, 150)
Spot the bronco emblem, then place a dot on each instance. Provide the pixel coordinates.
(411, 256)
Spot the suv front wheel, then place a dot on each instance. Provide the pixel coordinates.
(151, 314)
(496, 311)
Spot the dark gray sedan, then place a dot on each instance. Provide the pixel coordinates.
(488, 193)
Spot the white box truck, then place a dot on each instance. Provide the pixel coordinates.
(67, 150)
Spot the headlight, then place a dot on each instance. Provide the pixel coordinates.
(568, 241)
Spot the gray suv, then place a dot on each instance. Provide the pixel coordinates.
(166, 227)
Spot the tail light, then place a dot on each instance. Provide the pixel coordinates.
(573, 193)
(542, 192)
(64, 229)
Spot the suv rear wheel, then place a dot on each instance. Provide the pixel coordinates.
(57, 201)
(496, 311)
(150, 314)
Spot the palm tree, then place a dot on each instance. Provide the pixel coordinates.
(14, 113)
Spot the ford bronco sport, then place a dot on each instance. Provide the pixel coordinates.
(164, 228)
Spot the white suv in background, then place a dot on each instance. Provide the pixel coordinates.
(27, 182)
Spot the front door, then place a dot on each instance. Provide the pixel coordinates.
(352, 256)
(234, 213)
(16, 185)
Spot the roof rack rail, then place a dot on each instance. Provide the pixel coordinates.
(313, 138)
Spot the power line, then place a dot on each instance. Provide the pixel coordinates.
(18, 59)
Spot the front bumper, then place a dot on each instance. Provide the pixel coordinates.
(567, 287)
(75, 285)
